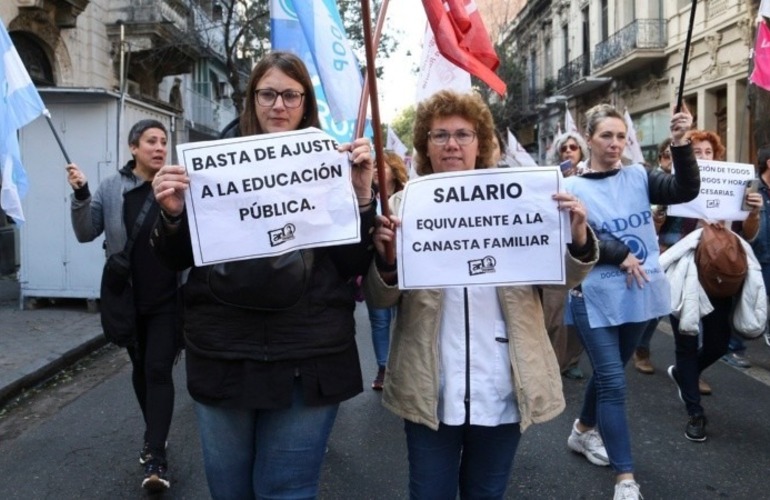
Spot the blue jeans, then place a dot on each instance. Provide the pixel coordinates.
(604, 403)
(255, 454)
(380, 318)
(478, 459)
(736, 344)
(692, 359)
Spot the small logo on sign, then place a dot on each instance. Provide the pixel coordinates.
(282, 235)
(712, 203)
(482, 266)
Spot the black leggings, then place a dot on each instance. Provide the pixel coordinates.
(153, 360)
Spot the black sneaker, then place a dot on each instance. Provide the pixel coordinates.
(696, 428)
(155, 475)
(145, 455)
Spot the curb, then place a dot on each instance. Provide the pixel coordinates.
(48, 370)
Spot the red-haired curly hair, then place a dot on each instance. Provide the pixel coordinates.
(711, 138)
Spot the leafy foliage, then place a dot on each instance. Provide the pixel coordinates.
(403, 124)
(506, 110)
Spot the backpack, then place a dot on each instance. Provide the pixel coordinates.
(721, 261)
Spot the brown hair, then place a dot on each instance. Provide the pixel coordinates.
(293, 67)
(398, 169)
(709, 136)
(446, 103)
(598, 114)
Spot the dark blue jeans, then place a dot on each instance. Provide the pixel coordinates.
(692, 360)
(477, 459)
(604, 404)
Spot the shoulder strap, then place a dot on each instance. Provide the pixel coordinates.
(139, 222)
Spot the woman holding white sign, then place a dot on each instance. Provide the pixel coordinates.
(627, 288)
(271, 348)
(469, 368)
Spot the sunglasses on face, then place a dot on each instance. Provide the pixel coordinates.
(570, 147)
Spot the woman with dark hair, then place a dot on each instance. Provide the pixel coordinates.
(454, 351)
(113, 210)
(267, 384)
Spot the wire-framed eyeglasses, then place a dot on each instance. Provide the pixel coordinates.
(462, 136)
(290, 98)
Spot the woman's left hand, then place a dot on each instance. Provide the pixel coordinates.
(634, 271)
(363, 167)
(578, 216)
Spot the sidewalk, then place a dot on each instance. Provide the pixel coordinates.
(35, 344)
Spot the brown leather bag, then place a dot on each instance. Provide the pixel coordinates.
(721, 261)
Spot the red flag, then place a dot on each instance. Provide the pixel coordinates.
(761, 74)
(462, 38)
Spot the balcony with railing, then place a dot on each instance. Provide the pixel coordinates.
(573, 71)
(211, 114)
(634, 46)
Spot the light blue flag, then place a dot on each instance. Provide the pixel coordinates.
(338, 92)
(19, 104)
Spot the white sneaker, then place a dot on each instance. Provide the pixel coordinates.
(628, 489)
(590, 444)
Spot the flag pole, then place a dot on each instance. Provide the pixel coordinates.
(376, 126)
(362, 104)
(685, 56)
(47, 115)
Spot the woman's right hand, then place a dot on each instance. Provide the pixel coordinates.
(76, 178)
(634, 271)
(169, 186)
(385, 233)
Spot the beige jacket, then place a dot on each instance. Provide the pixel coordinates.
(412, 375)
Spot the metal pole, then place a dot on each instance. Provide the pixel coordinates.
(122, 89)
(685, 56)
(47, 115)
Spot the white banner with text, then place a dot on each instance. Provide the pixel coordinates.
(722, 188)
(264, 195)
(482, 227)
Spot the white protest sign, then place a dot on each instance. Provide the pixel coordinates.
(481, 227)
(264, 195)
(722, 187)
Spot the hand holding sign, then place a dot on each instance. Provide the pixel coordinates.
(169, 186)
(363, 170)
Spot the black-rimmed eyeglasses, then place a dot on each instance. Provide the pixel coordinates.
(462, 136)
(290, 98)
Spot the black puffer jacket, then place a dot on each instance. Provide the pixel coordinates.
(664, 189)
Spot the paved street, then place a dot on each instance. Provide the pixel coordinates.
(80, 439)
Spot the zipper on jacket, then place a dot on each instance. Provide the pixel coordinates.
(467, 400)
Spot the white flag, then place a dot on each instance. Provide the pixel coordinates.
(394, 144)
(437, 73)
(516, 155)
(569, 123)
(633, 149)
(764, 10)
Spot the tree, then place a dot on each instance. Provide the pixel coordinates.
(506, 110)
(403, 124)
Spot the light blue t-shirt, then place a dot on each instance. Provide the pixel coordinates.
(619, 209)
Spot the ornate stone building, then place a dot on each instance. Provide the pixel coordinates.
(629, 53)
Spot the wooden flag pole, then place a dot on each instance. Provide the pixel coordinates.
(363, 103)
(376, 126)
(685, 56)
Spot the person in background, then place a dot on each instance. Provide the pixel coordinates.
(756, 227)
(626, 289)
(381, 317)
(499, 151)
(694, 354)
(568, 147)
(268, 380)
(112, 210)
(642, 361)
(448, 341)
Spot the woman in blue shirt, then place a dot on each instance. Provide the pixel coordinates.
(626, 288)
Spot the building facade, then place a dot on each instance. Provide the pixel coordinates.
(166, 53)
(629, 53)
